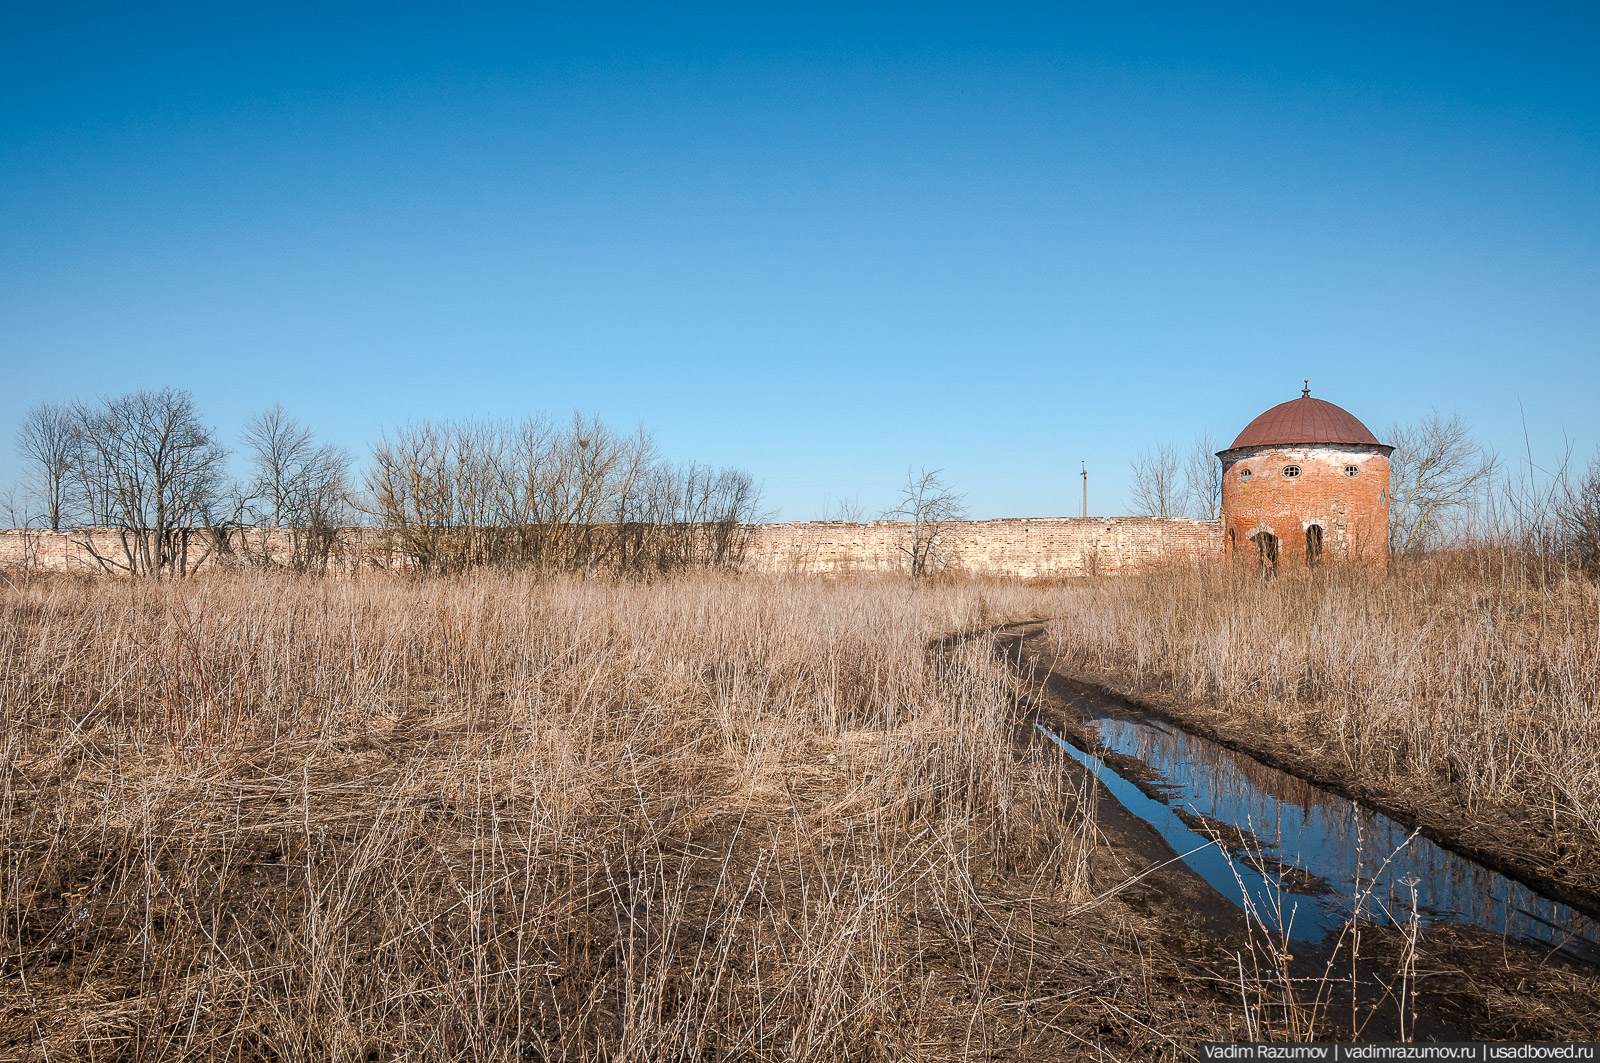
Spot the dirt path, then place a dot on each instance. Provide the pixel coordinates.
(1466, 984)
(1492, 836)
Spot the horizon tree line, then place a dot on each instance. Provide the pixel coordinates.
(457, 494)
(445, 496)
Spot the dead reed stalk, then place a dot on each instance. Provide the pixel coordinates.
(502, 817)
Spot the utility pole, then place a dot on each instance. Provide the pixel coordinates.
(1085, 488)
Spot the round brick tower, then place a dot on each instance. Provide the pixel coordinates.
(1305, 483)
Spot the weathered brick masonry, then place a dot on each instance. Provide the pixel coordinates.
(1341, 491)
(1032, 548)
(1303, 483)
(75, 551)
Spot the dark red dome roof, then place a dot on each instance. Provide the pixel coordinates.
(1304, 420)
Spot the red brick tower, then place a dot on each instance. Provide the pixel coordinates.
(1303, 484)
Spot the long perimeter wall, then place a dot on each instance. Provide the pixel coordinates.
(1030, 548)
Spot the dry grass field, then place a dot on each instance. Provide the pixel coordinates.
(495, 817)
(508, 818)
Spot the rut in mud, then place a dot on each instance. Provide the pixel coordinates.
(1311, 877)
(1303, 861)
(1295, 856)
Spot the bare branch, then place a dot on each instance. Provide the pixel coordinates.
(1202, 479)
(582, 496)
(1156, 489)
(47, 440)
(1579, 515)
(1436, 472)
(929, 504)
(151, 471)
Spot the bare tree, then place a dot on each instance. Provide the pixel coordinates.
(47, 440)
(1436, 472)
(596, 471)
(297, 486)
(156, 472)
(278, 448)
(687, 516)
(930, 505)
(1202, 479)
(408, 482)
(15, 512)
(580, 496)
(1157, 489)
(569, 489)
(1579, 512)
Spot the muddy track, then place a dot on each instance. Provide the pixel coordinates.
(1471, 977)
(1158, 877)
(1158, 874)
(1491, 837)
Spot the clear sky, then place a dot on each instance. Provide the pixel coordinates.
(820, 244)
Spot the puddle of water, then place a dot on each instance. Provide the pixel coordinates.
(1338, 841)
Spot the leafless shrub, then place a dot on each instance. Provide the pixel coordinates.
(466, 494)
(929, 505)
(581, 490)
(1579, 514)
(687, 516)
(1436, 472)
(407, 482)
(434, 488)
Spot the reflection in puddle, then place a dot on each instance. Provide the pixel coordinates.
(1348, 847)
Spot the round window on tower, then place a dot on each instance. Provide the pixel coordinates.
(1244, 475)
(1291, 471)
(1351, 470)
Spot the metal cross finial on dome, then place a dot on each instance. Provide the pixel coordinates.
(1305, 392)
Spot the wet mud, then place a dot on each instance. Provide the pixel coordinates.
(1335, 912)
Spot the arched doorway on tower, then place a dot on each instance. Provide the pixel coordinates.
(1266, 549)
(1313, 545)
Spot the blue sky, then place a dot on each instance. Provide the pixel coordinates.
(818, 243)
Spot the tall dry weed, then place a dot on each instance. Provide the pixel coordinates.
(502, 817)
